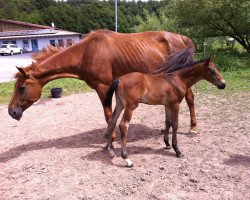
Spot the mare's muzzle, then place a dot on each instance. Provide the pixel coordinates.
(221, 85)
(16, 113)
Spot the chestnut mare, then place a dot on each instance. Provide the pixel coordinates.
(166, 87)
(99, 58)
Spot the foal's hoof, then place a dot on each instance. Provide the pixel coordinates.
(111, 153)
(129, 163)
(179, 155)
(163, 131)
(166, 148)
(106, 136)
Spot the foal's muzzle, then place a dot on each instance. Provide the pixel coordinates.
(16, 113)
(221, 85)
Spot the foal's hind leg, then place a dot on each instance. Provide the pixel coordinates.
(124, 124)
(112, 123)
(190, 102)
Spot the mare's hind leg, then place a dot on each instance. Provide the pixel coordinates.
(174, 124)
(112, 123)
(168, 125)
(190, 102)
(124, 124)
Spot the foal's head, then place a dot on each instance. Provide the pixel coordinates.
(27, 90)
(212, 73)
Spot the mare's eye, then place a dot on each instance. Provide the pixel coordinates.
(21, 89)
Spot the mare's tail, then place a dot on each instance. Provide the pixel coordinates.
(110, 92)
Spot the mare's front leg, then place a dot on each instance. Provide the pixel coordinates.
(190, 102)
(174, 124)
(101, 91)
(168, 125)
(124, 124)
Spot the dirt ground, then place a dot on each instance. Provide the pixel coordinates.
(56, 152)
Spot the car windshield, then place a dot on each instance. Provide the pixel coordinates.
(3, 46)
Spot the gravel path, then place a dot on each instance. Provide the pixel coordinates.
(56, 152)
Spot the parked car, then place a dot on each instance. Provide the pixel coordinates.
(10, 49)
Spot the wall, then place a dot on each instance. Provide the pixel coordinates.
(43, 42)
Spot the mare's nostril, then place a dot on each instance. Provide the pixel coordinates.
(14, 113)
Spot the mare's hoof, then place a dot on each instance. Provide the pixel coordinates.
(193, 131)
(166, 148)
(111, 153)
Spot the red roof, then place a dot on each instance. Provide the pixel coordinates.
(26, 24)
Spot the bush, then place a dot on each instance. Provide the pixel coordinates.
(231, 61)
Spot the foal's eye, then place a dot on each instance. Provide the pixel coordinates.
(212, 72)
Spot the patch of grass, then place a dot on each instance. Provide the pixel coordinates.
(69, 86)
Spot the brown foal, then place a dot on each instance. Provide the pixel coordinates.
(164, 88)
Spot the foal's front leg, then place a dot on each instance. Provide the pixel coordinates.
(174, 122)
(168, 125)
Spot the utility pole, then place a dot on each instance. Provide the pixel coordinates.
(116, 15)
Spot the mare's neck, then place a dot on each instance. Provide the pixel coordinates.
(65, 64)
(192, 74)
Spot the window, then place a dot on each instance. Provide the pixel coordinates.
(69, 42)
(13, 42)
(60, 43)
(52, 42)
(25, 43)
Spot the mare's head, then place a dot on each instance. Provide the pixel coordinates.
(27, 90)
(212, 74)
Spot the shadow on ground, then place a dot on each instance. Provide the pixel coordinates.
(91, 139)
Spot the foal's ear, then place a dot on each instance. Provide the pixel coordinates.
(22, 71)
(212, 57)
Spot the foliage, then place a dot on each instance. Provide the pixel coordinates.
(155, 22)
(208, 18)
(78, 15)
(231, 61)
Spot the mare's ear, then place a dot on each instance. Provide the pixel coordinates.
(22, 71)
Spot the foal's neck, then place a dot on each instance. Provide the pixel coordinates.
(65, 64)
(192, 74)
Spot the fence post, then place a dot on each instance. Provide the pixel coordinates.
(204, 47)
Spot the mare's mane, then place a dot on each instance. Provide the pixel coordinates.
(179, 60)
(50, 50)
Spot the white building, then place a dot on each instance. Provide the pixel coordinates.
(33, 37)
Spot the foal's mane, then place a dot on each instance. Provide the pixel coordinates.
(177, 61)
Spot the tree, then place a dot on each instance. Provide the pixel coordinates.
(153, 23)
(206, 18)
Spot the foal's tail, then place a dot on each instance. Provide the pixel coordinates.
(110, 92)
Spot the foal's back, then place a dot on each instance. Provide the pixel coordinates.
(150, 89)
